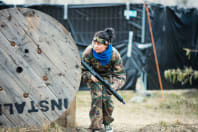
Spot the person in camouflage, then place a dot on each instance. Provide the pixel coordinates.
(107, 62)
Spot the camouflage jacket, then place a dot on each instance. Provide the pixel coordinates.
(112, 72)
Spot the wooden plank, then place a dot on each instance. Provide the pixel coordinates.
(19, 85)
(54, 75)
(17, 93)
(7, 122)
(60, 61)
(71, 115)
(63, 43)
(48, 76)
(68, 119)
(28, 74)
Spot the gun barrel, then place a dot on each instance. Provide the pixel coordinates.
(104, 82)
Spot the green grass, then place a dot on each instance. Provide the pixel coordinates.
(185, 102)
(176, 103)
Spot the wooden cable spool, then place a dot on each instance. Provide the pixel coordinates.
(39, 71)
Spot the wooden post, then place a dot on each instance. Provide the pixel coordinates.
(68, 119)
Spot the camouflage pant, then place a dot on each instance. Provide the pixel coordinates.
(101, 106)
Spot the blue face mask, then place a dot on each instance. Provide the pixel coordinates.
(104, 57)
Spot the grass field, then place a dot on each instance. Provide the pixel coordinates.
(177, 113)
(179, 107)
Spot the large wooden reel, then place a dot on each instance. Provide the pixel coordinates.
(39, 70)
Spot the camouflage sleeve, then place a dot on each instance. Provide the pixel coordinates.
(86, 75)
(118, 74)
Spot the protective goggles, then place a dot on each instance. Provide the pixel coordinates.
(100, 40)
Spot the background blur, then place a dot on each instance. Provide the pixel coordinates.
(174, 24)
(185, 3)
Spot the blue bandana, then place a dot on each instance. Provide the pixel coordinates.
(104, 57)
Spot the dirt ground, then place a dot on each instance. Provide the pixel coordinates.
(177, 113)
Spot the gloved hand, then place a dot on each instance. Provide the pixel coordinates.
(109, 93)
